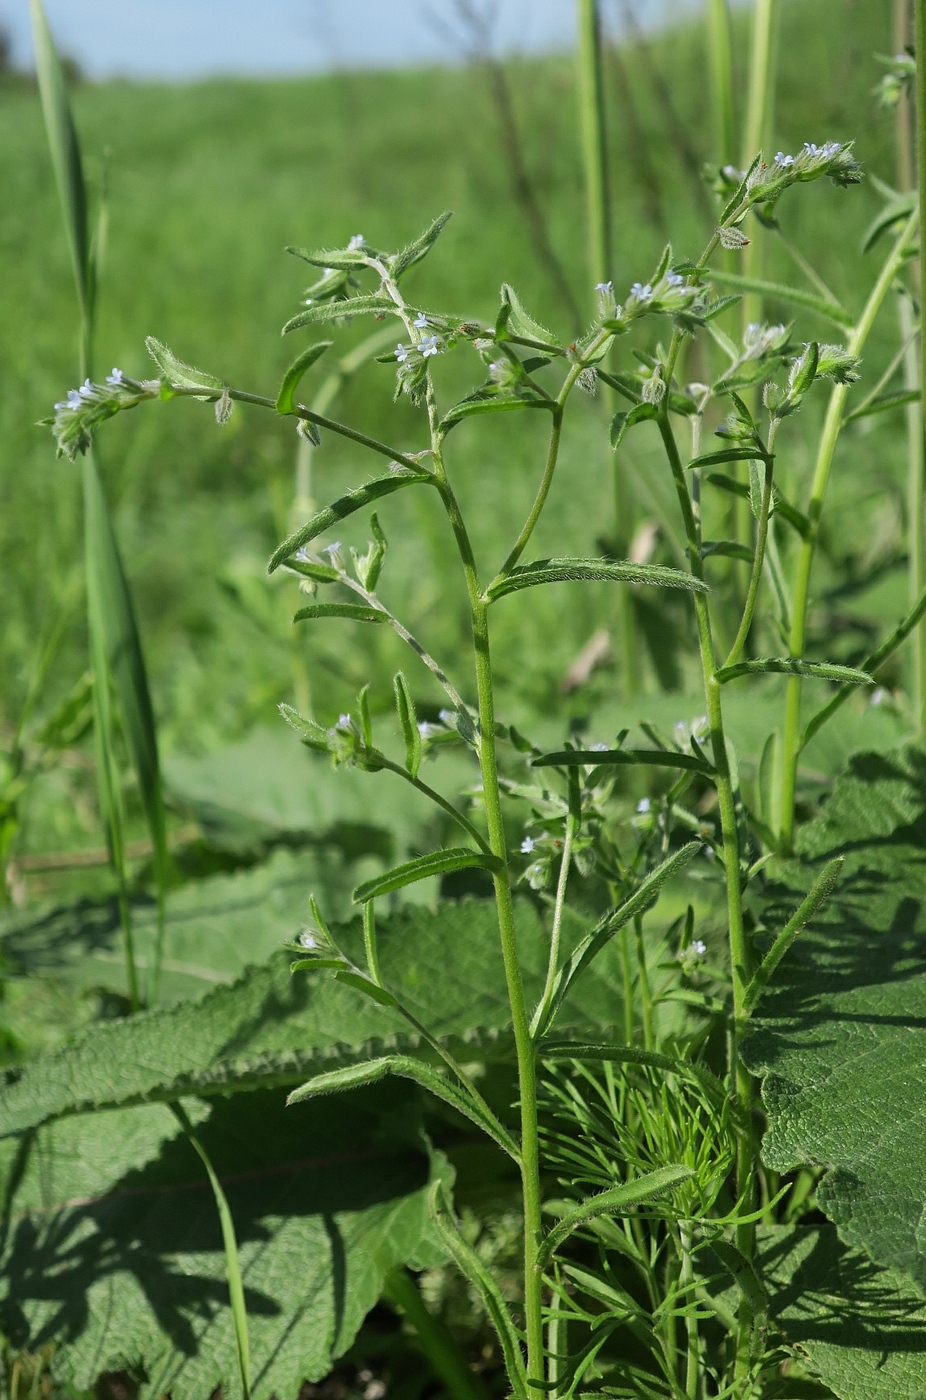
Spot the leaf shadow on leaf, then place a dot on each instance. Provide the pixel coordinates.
(155, 1231)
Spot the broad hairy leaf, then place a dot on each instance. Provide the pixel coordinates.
(273, 1028)
(590, 571)
(841, 1041)
(113, 1244)
(343, 507)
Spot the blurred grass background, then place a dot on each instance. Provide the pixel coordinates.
(207, 184)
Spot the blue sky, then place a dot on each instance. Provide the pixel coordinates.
(178, 39)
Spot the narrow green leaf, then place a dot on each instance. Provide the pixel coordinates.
(612, 1202)
(65, 152)
(482, 1279)
(882, 402)
(900, 207)
(792, 666)
(117, 653)
(230, 1243)
(310, 732)
(820, 891)
(590, 571)
(342, 259)
(606, 928)
(742, 453)
(654, 758)
(797, 296)
(178, 372)
(286, 398)
(514, 318)
(743, 1274)
(726, 549)
(622, 422)
(356, 612)
(422, 868)
(351, 1076)
(361, 983)
(492, 401)
(337, 310)
(418, 248)
(343, 507)
(408, 719)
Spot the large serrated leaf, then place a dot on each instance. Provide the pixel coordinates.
(113, 1244)
(842, 1040)
(273, 1028)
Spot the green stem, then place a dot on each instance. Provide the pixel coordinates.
(436, 1342)
(915, 413)
(369, 942)
(646, 994)
(827, 446)
(692, 1365)
(232, 1265)
(758, 560)
(572, 827)
(524, 1048)
(720, 45)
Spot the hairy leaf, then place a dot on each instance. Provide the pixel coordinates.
(792, 666)
(423, 868)
(286, 398)
(114, 1246)
(842, 1037)
(590, 570)
(343, 507)
(337, 310)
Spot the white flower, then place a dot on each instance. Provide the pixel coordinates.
(641, 292)
(674, 279)
(402, 353)
(811, 149)
(87, 390)
(429, 346)
(784, 160)
(604, 287)
(527, 845)
(356, 243)
(420, 321)
(831, 148)
(344, 722)
(307, 940)
(114, 378)
(428, 730)
(74, 399)
(699, 946)
(599, 748)
(302, 554)
(643, 805)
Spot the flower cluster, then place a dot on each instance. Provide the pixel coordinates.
(668, 294)
(77, 415)
(833, 159)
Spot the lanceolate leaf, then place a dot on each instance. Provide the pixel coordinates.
(791, 666)
(336, 310)
(113, 1247)
(65, 152)
(177, 371)
(437, 863)
(492, 401)
(652, 758)
(588, 571)
(286, 398)
(779, 291)
(841, 1041)
(612, 1202)
(745, 452)
(343, 507)
(355, 612)
(420, 247)
(621, 422)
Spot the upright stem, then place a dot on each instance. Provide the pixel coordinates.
(524, 1047)
(828, 438)
(721, 58)
(598, 206)
(916, 411)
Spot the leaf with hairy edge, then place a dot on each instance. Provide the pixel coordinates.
(343, 507)
(337, 310)
(791, 666)
(797, 296)
(178, 372)
(621, 422)
(419, 247)
(355, 612)
(604, 931)
(653, 758)
(492, 401)
(286, 398)
(612, 1202)
(353, 1076)
(744, 453)
(423, 868)
(483, 1280)
(590, 571)
(841, 1040)
(114, 1248)
(271, 1028)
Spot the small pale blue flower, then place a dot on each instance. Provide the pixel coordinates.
(116, 376)
(74, 398)
(784, 160)
(604, 286)
(527, 845)
(429, 346)
(674, 279)
(641, 292)
(643, 805)
(420, 321)
(356, 243)
(402, 353)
